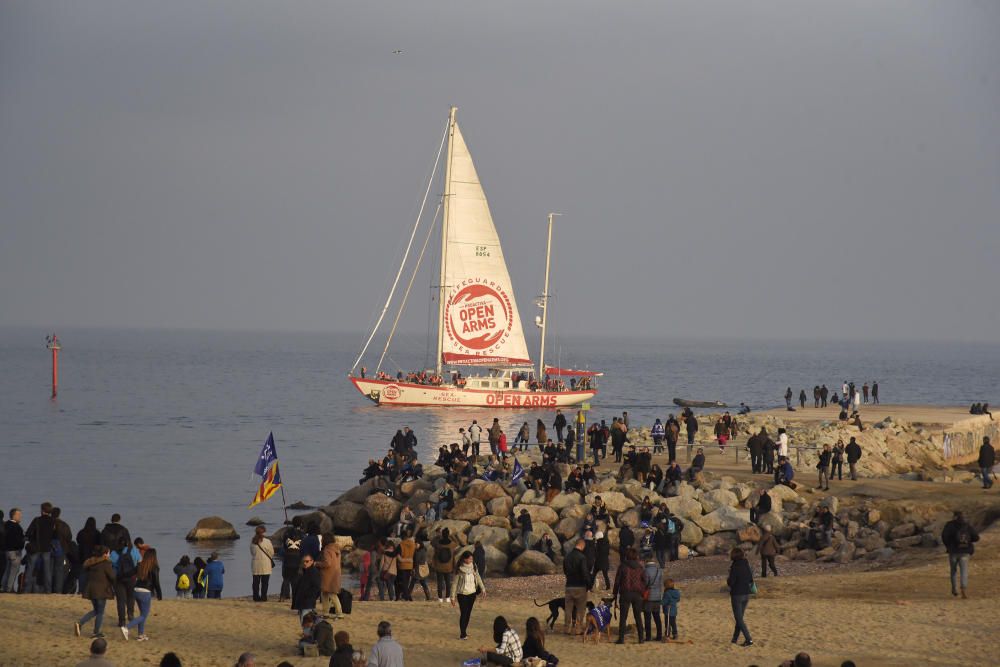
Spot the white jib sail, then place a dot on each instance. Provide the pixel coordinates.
(481, 323)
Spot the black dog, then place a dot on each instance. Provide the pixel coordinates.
(554, 607)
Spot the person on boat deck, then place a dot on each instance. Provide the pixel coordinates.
(697, 464)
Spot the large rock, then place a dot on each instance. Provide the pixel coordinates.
(713, 500)
(685, 507)
(832, 503)
(567, 528)
(495, 521)
(564, 500)
(532, 497)
(501, 506)
(348, 517)
(749, 533)
(629, 518)
(495, 537)
(539, 513)
(685, 490)
(496, 560)
(213, 528)
(902, 530)
(468, 509)
(255, 521)
(718, 543)
(454, 527)
(318, 518)
(485, 491)
(614, 500)
(575, 512)
(635, 492)
(724, 518)
(691, 534)
(409, 488)
(531, 563)
(784, 493)
(773, 521)
(845, 553)
(742, 491)
(870, 542)
(382, 510)
(358, 494)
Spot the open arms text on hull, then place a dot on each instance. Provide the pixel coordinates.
(478, 323)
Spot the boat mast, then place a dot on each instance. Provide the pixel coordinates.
(442, 288)
(544, 305)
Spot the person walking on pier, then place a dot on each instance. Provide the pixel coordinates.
(987, 459)
(958, 538)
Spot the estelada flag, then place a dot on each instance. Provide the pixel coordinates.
(268, 486)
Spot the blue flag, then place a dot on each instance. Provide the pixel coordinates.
(268, 455)
(518, 471)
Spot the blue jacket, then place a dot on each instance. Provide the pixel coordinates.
(787, 472)
(214, 570)
(671, 598)
(115, 555)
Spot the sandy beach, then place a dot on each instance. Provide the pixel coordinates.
(900, 614)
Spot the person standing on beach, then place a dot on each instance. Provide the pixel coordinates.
(444, 564)
(577, 585)
(958, 538)
(816, 396)
(782, 443)
(114, 533)
(468, 585)
(864, 391)
(837, 463)
(291, 558)
(39, 547)
(788, 399)
(602, 559)
(261, 563)
(825, 458)
(987, 459)
(853, 451)
(13, 543)
(494, 435)
(740, 582)
(691, 424)
(100, 588)
(559, 425)
(125, 560)
(767, 547)
(214, 571)
(875, 393)
(672, 430)
(824, 393)
(630, 584)
(802, 398)
(330, 573)
(189, 571)
(308, 589)
(476, 436)
(657, 432)
(652, 598)
(147, 581)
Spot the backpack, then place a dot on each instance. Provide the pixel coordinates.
(126, 565)
(963, 537)
(442, 554)
(183, 582)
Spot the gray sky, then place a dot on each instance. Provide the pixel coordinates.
(766, 169)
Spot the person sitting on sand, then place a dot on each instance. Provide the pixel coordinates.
(316, 631)
(343, 656)
(98, 648)
(508, 645)
(386, 652)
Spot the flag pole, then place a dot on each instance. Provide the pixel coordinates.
(284, 503)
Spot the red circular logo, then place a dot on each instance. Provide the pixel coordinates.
(391, 392)
(478, 315)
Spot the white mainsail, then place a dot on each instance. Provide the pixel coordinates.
(480, 323)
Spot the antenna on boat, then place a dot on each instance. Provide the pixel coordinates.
(542, 321)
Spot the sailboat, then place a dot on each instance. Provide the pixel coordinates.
(479, 324)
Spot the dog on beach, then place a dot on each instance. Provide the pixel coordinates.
(556, 604)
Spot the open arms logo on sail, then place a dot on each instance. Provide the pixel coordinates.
(478, 316)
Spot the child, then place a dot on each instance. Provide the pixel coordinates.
(671, 598)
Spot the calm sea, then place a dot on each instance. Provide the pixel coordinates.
(164, 426)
